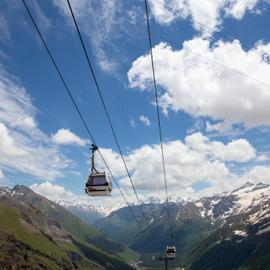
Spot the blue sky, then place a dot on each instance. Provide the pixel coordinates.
(212, 64)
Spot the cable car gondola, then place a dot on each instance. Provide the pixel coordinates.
(170, 252)
(98, 183)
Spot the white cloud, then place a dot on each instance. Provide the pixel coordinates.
(53, 191)
(258, 174)
(237, 150)
(25, 154)
(237, 9)
(203, 88)
(220, 127)
(2, 176)
(4, 30)
(65, 136)
(8, 145)
(11, 9)
(113, 160)
(145, 120)
(197, 159)
(132, 123)
(262, 157)
(43, 21)
(23, 146)
(16, 106)
(206, 16)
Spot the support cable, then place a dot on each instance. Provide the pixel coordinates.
(105, 107)
(158, 115)
(75, 104)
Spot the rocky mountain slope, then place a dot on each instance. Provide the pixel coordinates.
(242, 238)
(36, 233)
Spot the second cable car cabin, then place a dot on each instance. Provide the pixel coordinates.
(170, 252)
(98, 183)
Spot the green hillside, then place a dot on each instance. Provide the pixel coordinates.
(36, 233)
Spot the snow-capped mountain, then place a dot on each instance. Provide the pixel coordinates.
(102, 209)
(88, 211)
(249, 198)
(252, 199)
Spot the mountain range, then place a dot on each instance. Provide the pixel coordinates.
(226, 231)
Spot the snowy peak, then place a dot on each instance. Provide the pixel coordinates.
(18, 190)
(4, 191)
(103, 209)
(250, 187)
(251, 195)
(217, 208)
(249, 198)
(246, 186)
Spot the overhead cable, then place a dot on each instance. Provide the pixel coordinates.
(75, 103)
(158, 114)
(104, 105)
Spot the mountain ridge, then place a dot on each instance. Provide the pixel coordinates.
(105, 210)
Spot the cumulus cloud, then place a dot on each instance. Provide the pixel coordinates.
(206, 16)
(23, 146)
(204, 88)
(258, 174)
(197, 159)
(145, 120)
(237, 150)
(65, 136)
(113, 160)
(52, 191)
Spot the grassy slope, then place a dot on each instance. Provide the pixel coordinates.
(83, 233)
(10, 224)
(50, 250)
(26, 248)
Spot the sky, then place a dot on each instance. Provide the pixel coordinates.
(212, 63)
